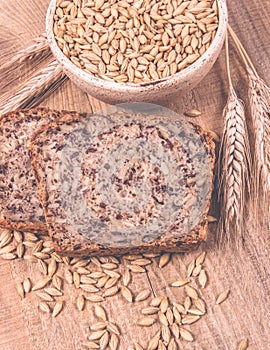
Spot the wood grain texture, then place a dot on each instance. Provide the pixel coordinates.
(245, 272)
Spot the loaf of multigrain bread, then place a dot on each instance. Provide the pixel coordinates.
(20, 207)
(123, 183)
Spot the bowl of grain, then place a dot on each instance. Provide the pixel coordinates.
(129, 50)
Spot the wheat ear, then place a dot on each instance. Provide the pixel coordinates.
(234, 160)
(40, 47)
(259, 97)
(35, 89)
(35, 53)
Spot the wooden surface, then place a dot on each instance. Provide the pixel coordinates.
(246, 271)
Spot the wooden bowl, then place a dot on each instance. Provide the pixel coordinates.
(112, 92)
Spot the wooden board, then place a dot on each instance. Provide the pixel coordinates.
(245, 271)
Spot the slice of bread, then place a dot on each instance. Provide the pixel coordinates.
(20, 207)
(123, 183)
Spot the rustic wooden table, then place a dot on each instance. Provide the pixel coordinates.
(246, 272)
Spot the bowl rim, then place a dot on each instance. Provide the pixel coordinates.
(88, 78)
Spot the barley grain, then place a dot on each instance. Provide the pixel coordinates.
(96, 335)
(175, 330)
(153, 343)
(41, 283)
(100, 312)
(150, 310)
(98, 326)
(126, 293)
(190, 319)
(114, 341)
(20, 289)
(143, 295)
(134, 32)
(95, 298)
(110, 291)
(111, 327)
(44, 295)
(222, 296)
(165, 334)
(243, 344)
(104, 341)
(164, 260)
(202, 278)
(164, 304)
(44, 307)
(27, 285)
(91, 345)
(191, 292)
(180, 283)
(146, 321)
(185, 334)
(138, 346)
(80, 302)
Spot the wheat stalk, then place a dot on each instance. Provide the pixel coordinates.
(40, 47)
(35, 53)
(259, 97)
(35, 89)
(234, 160)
